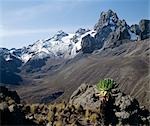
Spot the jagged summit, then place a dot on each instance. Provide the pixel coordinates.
(106, 18)
(59, 35)
(81, 31)
(107, 33)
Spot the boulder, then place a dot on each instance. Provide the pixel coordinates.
(10, 95)
(3, 106)
(85, 96)
(12, 108)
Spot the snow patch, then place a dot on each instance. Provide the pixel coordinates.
(8, 58)
(60, 45)
(133, 35)
(113, 28)
(77, 46)
(26, 57)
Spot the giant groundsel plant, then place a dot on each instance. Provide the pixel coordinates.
(104, 86)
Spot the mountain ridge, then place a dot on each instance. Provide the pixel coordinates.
(108, 28)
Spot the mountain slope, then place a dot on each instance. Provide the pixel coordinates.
(128, 64)
(109, 32)
(9, 70)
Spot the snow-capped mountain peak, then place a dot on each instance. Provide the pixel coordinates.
(62, 44)
(59, 35)
(107, 31)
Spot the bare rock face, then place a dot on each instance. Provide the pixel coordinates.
(105, 19)
(10, 109)
(136, 29)
(102, 36)
(85, 96)
(81, 31)
(112, 32)
(110, 29)
(88, 44)
(145, 29)
(142, 30)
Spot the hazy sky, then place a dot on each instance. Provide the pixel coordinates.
(22, 22)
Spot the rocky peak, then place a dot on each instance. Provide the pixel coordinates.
(145, 28)
(3, 50)
(135, 29)
(144, 24)
(81, 31)
(106, 18)
(122, 23)
(88, 44)
(38, 42)
(59, 35)
(111, 30)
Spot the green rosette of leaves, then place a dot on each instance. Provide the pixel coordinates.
(104, 86)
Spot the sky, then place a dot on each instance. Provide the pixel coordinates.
(22, 22)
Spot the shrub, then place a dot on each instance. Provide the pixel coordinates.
(104, 86)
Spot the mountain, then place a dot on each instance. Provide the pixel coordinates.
(128, 64)
(58, 65)
(61, 45)
(9, 64)
(107, 33)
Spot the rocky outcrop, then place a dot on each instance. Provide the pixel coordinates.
(102, 36)
(106, 18)
(11, 109)
(110, 30)
(135, 29)
(5, 95)
(115, 38)
(145, 29)
(81, 31)
(142, 30)
(119, 109)
(88, 44)
(85, 96)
